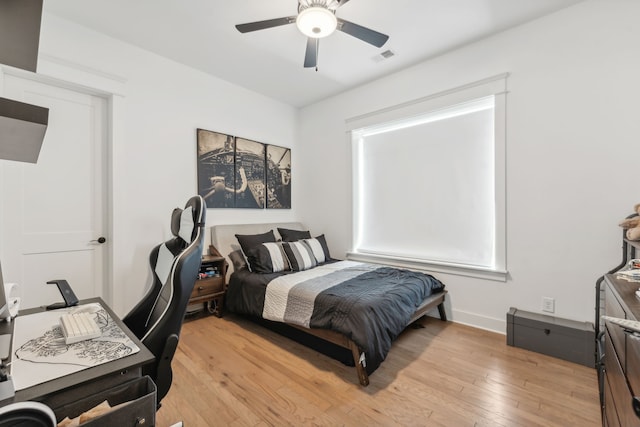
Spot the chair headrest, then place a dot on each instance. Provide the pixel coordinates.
(175, 221)
(185, 222)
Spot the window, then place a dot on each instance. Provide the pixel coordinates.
(429, 182)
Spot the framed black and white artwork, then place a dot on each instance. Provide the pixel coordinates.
(216, 168)
(250, 174)
(278, 177)
(235, 172)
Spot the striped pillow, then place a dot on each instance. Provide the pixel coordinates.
(268, 258)
(316, 248)
(300, 255)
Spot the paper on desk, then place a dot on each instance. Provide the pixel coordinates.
(40, 354)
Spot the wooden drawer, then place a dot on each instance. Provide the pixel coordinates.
(613, 308)
(633, 363)
(610, 414)
(207, 287)
(620, 392)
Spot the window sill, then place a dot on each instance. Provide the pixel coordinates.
(431, 266)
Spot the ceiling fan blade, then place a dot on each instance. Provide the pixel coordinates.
(311, 54)
(263, 25)
(365, 34)
(342, 2)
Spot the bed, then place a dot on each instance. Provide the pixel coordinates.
(356, 306)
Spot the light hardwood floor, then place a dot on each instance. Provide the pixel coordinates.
(232, 372)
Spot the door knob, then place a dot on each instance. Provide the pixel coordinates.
(98, 240)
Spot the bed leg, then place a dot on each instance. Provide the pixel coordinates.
(443, 314)
(360, 362)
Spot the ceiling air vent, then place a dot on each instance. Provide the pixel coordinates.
(384, 55)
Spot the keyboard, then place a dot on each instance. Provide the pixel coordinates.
(78, 327)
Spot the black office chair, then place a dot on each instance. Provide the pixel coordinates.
(157, 319)
(27, 414)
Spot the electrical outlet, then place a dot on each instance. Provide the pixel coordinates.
(548, 304)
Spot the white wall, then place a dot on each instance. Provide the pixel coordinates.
(572, 131)
(572, 138)
(154, 162)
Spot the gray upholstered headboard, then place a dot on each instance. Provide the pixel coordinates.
(223, 237)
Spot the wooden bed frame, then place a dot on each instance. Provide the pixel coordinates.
(224, 240)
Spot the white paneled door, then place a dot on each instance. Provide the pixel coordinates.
(52, 213)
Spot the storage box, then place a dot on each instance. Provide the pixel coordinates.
(140, 410)
(562, 338)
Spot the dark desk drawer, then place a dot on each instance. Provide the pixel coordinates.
(139, 411)
(68, 396)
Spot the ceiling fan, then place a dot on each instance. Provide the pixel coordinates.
(317, 19)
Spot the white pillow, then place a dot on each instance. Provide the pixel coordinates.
(316, 248)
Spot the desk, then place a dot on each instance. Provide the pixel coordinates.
(62, 392)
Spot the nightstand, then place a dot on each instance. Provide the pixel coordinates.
(210, 286)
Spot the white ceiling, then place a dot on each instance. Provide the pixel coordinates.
(201, 34)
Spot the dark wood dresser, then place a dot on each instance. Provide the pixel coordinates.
(618, 351)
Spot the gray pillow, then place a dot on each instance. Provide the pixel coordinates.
(238, 260)
(293, 235)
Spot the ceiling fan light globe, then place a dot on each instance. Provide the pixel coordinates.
(316, 22)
